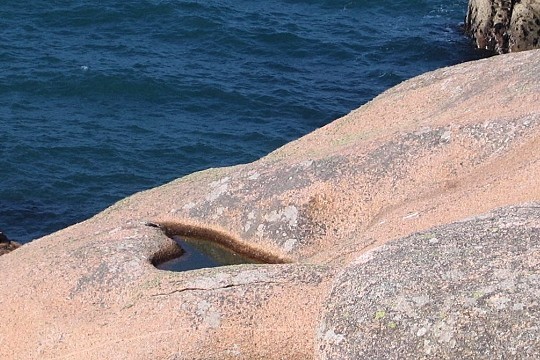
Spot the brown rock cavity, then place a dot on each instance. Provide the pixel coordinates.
(221, 237)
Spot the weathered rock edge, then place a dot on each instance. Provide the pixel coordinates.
(449, 144)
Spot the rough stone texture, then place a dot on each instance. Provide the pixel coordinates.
(504, 25)
(98, 297)
(449, 144)
(466, 290)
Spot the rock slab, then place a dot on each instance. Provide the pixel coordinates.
(447, 145)
(465, 290)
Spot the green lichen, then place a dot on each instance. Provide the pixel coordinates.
(426, 236)
(152, 283)
(380, 314)
(477, 295)
(128, 305)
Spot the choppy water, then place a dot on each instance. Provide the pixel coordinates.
(100, 99)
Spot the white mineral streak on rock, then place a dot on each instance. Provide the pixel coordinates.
(253, 175)
(260, 231)
(273, 216)
(421, 300)
(250, 276)
(218, 213)
(289, 245)
(446, 136)
(369, 255)
(331, 337)
(115, 230)
(208, 313)
(411, 216)
(433, 240)
(499, 302)
(234, 350)
(202, 307)
(219, 188)
(213, 319)
(453, 275)
(427, 346)
(251, 217)
(291, 214)
(444, 332)
(451, 86)
(189, 206)
(288, 214)
(207, 282)
(404, 306)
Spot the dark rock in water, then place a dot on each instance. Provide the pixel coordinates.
(457, 291)
(504, 25)
(7, 245)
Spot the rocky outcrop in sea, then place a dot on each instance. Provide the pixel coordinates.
(406, 229)
(504, 25)
(6, 245)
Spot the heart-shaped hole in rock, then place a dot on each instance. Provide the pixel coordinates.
(199, 247)
(199, 254)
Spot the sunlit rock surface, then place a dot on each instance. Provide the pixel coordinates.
(445, 146)
(464, 290)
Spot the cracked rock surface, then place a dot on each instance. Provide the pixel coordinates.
(447, 145)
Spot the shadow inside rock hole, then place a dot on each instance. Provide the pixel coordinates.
(199, 254)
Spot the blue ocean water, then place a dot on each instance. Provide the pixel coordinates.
(103, 98)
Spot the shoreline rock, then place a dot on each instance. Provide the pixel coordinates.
(451, 144)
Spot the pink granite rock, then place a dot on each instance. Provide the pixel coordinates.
(466, 290)
(446, 145)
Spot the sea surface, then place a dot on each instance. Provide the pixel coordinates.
(100, 99)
